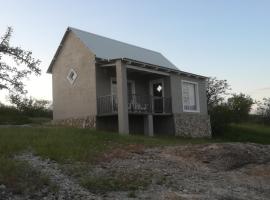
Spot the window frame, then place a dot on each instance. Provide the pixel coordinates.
(197, 98)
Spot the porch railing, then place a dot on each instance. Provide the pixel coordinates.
(143, 104)
(107, 104)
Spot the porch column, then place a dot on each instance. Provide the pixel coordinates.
(122, 97)
(148, 125)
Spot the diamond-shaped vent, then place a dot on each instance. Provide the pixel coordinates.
(72, 75)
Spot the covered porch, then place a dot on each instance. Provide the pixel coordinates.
(137, 104)
(125, 90)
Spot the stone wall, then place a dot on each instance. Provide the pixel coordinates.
(192, 125)
(82, 122)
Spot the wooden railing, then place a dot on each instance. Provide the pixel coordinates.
(139, 104)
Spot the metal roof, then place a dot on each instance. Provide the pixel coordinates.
(106, 48)
(110, 49)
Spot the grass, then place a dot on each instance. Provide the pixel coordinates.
(70, 145)
(84, 145)
(11, 115)
(247, 132)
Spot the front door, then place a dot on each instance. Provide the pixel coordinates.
(157, 92)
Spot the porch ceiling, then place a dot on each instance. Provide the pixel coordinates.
(140, 73)
(144, 71)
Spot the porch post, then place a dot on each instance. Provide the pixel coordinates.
(122, 97)
(148, 125)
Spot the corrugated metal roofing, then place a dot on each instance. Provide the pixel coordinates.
(106, 48)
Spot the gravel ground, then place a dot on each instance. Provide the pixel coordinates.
(232, 171)
(68, 188)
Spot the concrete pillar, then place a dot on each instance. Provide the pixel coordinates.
(148, 125)
(122, 97)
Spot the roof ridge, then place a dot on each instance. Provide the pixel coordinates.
(115, 40)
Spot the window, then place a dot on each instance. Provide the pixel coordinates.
(72, 75)
(190, 96)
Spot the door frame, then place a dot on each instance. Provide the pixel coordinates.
(151, 82)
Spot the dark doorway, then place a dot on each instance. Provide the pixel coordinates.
(158, 91)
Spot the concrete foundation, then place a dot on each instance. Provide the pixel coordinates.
(80, 122)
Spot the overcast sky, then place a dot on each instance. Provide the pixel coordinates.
(229, 39)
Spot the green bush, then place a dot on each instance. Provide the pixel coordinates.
(32, 107)
(221, 117)
(26, 111)
(240, 105)
(263, 111)
(11, 115)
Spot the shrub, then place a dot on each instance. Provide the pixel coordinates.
(11, 115)
(221, 117)
(240, 105)
(32, 107)
(264, 111)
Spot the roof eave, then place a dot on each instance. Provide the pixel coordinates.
(49, 70)
(155, 67)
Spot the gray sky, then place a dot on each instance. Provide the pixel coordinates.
(226, 38)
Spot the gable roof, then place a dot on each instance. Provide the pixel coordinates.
(106, 48)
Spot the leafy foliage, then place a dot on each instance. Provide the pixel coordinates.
(31, 107)
(240, 105)
(216, 91)
(221, 117)
(11, 115)
(264, 110)
(236, 109)
(11, 77)
(219, 111)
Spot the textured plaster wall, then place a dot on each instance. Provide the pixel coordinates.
(176, 92)
(79, 99)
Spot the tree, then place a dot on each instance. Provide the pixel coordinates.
(264, 110)
(216, 91)
(221, 117)
(11, 77)
(31, 107)
(240, 105)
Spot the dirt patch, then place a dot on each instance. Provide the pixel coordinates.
(223, 156)
(121, 153)
(259, 170)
